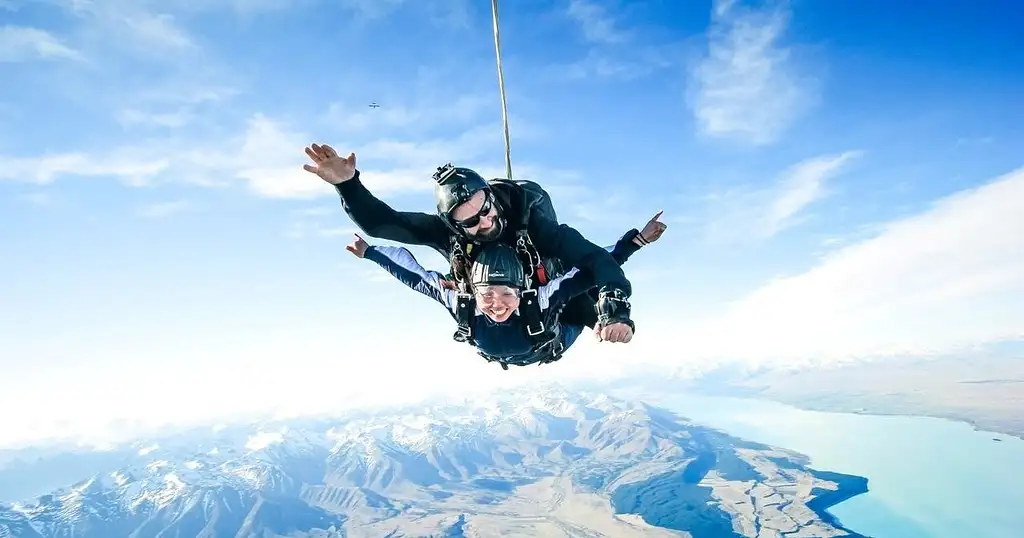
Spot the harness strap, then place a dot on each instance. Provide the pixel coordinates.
(542, 332)
(531, 259)
(465, 307)
(529, 310)
(548, 346)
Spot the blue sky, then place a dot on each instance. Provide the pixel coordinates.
(841, 180)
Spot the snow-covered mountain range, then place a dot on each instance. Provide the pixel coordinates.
(543, 462)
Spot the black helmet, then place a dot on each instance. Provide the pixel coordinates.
(454, 186)
(497, 264)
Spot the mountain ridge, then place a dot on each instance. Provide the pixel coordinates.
(524, 462)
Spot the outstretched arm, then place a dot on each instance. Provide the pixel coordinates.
(378, 219)
(403, 265)
(574, 282)
(372, 216)
(574, 250)
(625, 247)
(634, 239)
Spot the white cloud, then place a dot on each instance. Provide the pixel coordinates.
(267, 157)
(133, 37)
(124, 165)
(120, 21)
(173, 104)
(607, 57)
(947, 278)
(746, 214)
(158, 29)
(622, 64)
(748, 86)
(19, 43)
(595, 22)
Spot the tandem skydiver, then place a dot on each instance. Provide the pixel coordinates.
(472, 212)
(500, 313)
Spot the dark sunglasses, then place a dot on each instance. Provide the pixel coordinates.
(485, 208)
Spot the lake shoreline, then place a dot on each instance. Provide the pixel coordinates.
(897, 455)
(849, 486)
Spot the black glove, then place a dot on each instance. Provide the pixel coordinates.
(613, 307)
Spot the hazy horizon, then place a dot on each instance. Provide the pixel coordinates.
(840, 184)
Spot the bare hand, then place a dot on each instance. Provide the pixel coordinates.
(616, 332)
(331, 167)
(357, 247)
(653, 230)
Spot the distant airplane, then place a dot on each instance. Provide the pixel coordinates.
(374, 105)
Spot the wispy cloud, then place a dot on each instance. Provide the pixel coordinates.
(173, 104)
(746, 213)
(114, 42)
(132, 169)
(801, 186)
(266, 157)
(152, 30)
(597, 25)
(748, 86)
(621, 64)
(20, 43)
(941, 280)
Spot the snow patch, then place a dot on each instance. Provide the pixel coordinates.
(148, 449)
(157, 465)
(173, 481)
(119, 478)
(262, 440)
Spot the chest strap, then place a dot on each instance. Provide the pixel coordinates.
(542, 329)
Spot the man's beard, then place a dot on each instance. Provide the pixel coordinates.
(492, 233)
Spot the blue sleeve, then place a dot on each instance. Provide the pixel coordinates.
(562, 289)
(565, 243)
(403, 265)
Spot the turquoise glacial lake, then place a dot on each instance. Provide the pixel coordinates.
(927, 477)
